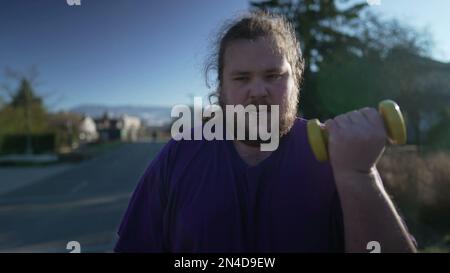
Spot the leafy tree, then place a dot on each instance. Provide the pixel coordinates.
(354, 59)
(25, 114)
(25, 95)
(346, 82)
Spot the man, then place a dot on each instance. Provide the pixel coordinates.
(229, 196)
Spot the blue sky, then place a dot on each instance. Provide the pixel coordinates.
(139, 52)
(430, 15)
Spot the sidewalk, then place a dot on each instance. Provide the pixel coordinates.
(24, 158)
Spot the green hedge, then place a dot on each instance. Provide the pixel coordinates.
(17, 143)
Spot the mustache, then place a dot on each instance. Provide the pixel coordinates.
(259, 103)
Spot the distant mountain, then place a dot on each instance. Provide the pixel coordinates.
(150, 115)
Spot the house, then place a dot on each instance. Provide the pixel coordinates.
(124, 128)
(87, 130)
(130, 127)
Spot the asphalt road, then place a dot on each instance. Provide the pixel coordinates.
(84, 203)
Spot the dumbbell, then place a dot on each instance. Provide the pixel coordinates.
(393, 123)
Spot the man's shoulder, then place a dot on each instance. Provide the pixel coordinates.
(299, 146)
(297, 133)
(186, 149)
(299, 125)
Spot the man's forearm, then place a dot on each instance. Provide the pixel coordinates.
(369, 214)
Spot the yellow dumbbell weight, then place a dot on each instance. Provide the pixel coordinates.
(393, 121)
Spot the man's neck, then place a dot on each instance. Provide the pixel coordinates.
(252, 155)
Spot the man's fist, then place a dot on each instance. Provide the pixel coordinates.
(356, 140)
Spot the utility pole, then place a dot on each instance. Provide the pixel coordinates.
(29, 147)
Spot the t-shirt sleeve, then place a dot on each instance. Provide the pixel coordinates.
(141, 229)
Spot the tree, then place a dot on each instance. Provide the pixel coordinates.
(25, 113)
(346, 82)
(2, 103)
(354, 59)
(25, 95)
(407, 70)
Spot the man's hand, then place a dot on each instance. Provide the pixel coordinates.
(356, 140)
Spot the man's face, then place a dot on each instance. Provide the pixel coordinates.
(255, 73)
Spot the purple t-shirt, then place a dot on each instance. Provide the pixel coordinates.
(200, 196)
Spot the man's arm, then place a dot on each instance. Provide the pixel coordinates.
(369, 214)
(356, 142)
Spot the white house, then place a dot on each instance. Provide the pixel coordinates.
(87, 130)
(130, 127)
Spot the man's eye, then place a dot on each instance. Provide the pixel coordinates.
(274, 76)
(241, 79)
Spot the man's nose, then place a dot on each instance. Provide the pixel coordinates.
(258, 89)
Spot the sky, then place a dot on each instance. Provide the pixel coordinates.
(429, 15)
(143, 52)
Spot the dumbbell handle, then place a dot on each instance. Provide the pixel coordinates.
(393, 121)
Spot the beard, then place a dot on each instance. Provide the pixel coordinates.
(286, 119)
(288, 115)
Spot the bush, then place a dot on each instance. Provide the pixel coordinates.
(419, 185)
(17, 144)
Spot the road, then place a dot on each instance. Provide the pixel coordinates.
(83, 203)
(12, 178)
